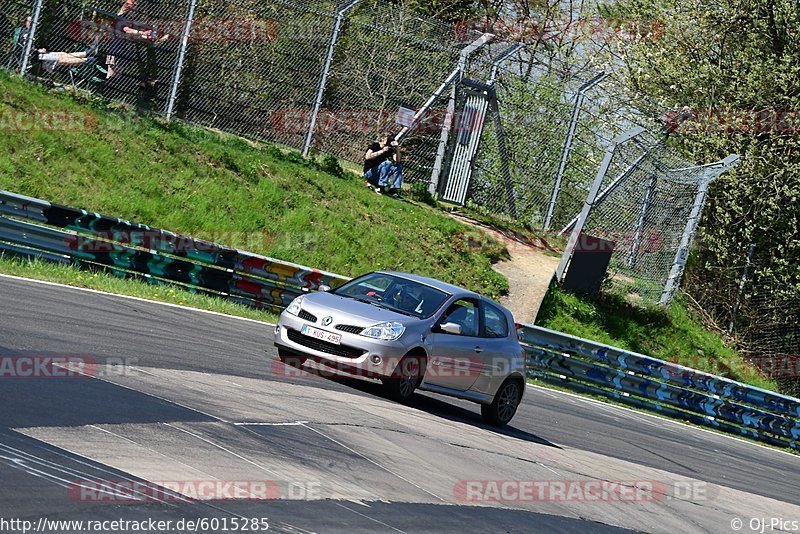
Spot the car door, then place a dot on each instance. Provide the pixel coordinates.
(455, 357)
(498, 347)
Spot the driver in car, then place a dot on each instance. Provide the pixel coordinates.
(406, 298)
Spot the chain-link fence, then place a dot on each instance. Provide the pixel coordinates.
(260, 80)
(558, 122)
(761, 316)
(119, 51)
(645, 207)
(535, 104)
(15, 24)
(768, 334)
(324, 75)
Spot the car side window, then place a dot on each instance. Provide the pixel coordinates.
(464, 313)
(495, 323)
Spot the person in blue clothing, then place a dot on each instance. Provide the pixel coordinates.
(382, 168)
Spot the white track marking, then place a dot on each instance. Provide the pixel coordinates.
(62, 469)
(296, 423)
(152, 450)
(549, 469)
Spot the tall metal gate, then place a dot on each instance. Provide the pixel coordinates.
(468, 129)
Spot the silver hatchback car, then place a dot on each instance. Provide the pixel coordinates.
(411, 332)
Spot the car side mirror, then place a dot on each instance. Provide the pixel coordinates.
(323, 287)
(450, 328)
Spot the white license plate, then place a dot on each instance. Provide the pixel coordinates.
(330, 337)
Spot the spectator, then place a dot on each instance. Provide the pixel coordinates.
(20, 37)
(394, 176)
(126, 31)
(52, 60)
(382, 168)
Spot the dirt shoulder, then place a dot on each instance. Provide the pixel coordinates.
(529, 271)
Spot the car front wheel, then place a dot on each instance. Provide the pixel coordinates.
(406, 378)
(504, 405)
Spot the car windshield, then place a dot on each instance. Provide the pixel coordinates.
(395, 293)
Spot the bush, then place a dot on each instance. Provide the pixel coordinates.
(330, 164)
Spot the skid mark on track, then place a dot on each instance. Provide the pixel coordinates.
(170, 458)
(22, 459)
(220, 447)
(373, 462)
(370, 518)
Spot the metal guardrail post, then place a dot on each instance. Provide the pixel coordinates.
(463, 58)
(591, 198)
(567, 147)
(326, 69)
(26, 56)
(710, 172)
(176, 77)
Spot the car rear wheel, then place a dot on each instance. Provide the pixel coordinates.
(290, 358)
(406, 378)
(504, 405)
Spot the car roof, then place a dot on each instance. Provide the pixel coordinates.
(432, 282)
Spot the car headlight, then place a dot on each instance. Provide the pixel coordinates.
(384, 331)
(294, 306)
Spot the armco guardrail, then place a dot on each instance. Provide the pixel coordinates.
(130, 249)
(61, 233)
(671, 389)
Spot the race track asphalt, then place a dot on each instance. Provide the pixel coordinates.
(183, 396)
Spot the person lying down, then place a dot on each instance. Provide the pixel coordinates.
(52, 60)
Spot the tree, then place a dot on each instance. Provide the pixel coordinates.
(734, 65)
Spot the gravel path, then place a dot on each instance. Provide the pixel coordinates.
(529, 271)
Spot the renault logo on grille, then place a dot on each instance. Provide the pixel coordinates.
(327, 320)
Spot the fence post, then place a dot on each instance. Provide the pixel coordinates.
(451, 78)
(176, 78)
(501, 147)
(499, 130)
(612, 186)
(742, 283)
(507, 53)
(326, 69)
(26, 55)
(426, 106)
(679, 263)
(710, 172)
(463, 58)
(567, 147)
(591, 198)
(637, 236)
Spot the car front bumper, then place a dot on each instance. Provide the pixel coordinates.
(366, 356)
